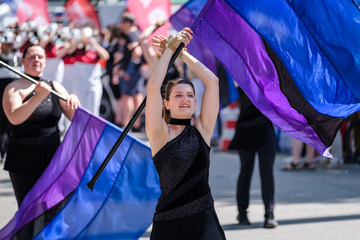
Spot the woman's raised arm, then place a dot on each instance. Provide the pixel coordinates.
(205, 123)
(156, 128)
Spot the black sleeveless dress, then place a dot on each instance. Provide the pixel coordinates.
(34, 142)
(185, 208)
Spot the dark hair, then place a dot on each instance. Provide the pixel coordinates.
(29, 46)
(117, 32)
(168, 88)
(128, 17)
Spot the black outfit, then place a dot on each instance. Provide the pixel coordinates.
(32, 144)
(136, 83)
(254, 134)
(6, 77)
(112, 49)
(185, 208)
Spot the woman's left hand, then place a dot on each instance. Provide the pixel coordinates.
(72, 102)
(188, 33)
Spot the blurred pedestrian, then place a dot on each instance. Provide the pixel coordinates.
(132, 80)
(254, 135)
(356, 135)
(295, 163)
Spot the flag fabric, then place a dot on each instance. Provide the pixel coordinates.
(82, 12)
(149, 12)
(60, 206)
(232, 30)
(185, 17)
(25, 10)
(320, 53)
(357, 3)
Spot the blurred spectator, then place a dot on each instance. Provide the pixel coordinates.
(337, 153)
(104, 38)
(353, 117)
(295, 163)
(116, 54)
(86, 82)
(132, 81)
(151, 56)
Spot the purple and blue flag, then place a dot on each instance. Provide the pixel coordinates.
(60, 206)
(290, 59)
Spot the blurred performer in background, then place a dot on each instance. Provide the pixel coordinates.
(13, 59)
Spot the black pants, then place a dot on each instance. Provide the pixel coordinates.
(266, 162)
(203, 225)
(22, 184)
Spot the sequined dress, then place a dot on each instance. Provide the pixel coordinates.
(185, 208)
(34, 142)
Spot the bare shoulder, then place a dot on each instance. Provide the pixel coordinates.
(17, 85)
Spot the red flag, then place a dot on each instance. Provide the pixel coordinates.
(32, 10)
(149, 12)
(82, 12)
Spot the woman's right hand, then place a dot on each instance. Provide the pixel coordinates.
(42, 89)
(160, 42)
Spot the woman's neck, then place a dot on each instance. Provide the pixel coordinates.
(34, 76)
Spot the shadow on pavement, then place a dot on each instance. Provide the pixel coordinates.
(229, 227)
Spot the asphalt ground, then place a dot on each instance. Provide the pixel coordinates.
(311, 205)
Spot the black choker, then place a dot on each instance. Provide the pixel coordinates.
(176, 121)
(33, 77)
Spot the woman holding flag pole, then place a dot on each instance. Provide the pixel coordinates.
(180, 151)
(34, 114)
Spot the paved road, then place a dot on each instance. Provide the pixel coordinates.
(311, 205)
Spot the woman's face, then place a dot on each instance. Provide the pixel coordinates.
(181, 101)
(34, 61)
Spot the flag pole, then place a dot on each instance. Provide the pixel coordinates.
(92, 182)
(29, 78)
